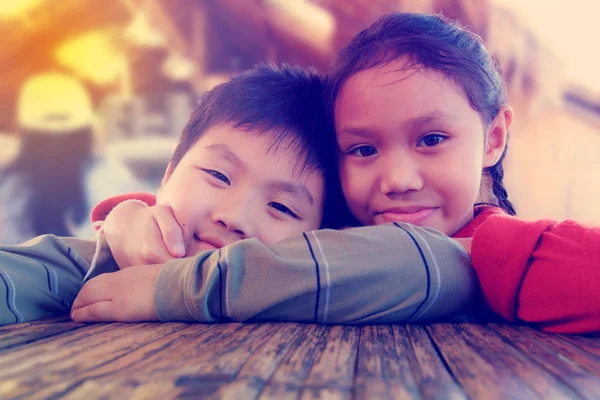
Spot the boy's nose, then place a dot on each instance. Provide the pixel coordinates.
(235, 218)
(400, 175)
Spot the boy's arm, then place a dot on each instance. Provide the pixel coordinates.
(41, 277)
(382, 274)
(541, 272)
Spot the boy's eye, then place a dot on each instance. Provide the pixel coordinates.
(363, 151)
(431, 140)
(281, 208)
(217, 175)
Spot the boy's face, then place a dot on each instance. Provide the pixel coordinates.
(411, 148)
(233, 184)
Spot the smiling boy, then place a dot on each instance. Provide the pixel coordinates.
(250, 164)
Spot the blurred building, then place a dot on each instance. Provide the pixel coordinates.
(146, 61)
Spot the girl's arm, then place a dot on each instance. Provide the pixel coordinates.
(382, 274)
(542, 272)
(102, 209)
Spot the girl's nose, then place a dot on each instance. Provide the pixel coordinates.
(400, 175)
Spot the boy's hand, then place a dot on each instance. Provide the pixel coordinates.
(140, 235)
(124, 296)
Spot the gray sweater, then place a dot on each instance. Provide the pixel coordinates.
(395, 273)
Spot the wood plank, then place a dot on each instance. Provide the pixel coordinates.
(104, 347)
(56, 348)
(298, 363)
(263, 363)
(187, 359)
(113, 369)
(335, 362)
(433, 378)
(18, 334)
(488, 367)
(56, 319)
(591, 344)
(277, 391)
(554, 355)
(383, 366)
(197, 342)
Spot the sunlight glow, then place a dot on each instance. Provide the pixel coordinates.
(17, 8)
(93, 56)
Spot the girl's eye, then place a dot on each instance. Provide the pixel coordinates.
(431, 140)
(363, 151)
(217, 175)
(281, 208)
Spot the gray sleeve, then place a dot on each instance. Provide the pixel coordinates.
(42, 277)
(394, 273)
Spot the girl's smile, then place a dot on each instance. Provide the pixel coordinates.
(411, 147)
(416, 215)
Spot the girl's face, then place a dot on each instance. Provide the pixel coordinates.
(411, 147)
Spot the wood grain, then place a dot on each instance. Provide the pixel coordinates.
(299, 361)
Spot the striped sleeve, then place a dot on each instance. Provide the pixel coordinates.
(42, 277)
(393, 273)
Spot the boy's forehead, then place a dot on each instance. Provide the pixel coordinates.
(270, 146)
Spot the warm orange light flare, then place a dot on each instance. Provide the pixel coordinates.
(17, 8)
(93, 56)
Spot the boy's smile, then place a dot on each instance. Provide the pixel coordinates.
(235, 184)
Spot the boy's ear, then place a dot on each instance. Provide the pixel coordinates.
(496, 136)
(167, 175)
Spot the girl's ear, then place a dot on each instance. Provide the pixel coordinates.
(496, 136)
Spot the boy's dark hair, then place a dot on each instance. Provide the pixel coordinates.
(438, 44)
(285, 99)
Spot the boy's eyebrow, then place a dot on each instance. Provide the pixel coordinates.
(222, 150)
(297, 190)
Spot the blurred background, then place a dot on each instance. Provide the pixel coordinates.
(94, 96)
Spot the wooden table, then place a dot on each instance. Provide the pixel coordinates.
(60, 358)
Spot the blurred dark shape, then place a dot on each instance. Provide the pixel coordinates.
(55, 178)
(49, 175)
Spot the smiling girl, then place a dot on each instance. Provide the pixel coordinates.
(422, 117)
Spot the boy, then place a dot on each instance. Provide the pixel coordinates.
(249, 164)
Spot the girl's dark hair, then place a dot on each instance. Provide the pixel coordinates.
(435, 43)
(51, 167)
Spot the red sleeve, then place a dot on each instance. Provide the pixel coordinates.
(542, 272)
(102, 209)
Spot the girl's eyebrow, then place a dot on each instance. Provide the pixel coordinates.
(367, 131)
(223, 151)
(430, 117)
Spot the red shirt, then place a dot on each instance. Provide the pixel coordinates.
(542, 272)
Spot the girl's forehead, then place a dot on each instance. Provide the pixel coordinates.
(396, 91)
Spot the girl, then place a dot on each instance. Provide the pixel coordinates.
(421, 118)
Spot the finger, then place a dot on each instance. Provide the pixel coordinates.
(93, 291)
(170, 230)
(104, 311)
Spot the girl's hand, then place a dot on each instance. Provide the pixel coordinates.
(142, 235)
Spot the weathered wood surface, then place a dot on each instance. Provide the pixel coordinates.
(58, 358)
